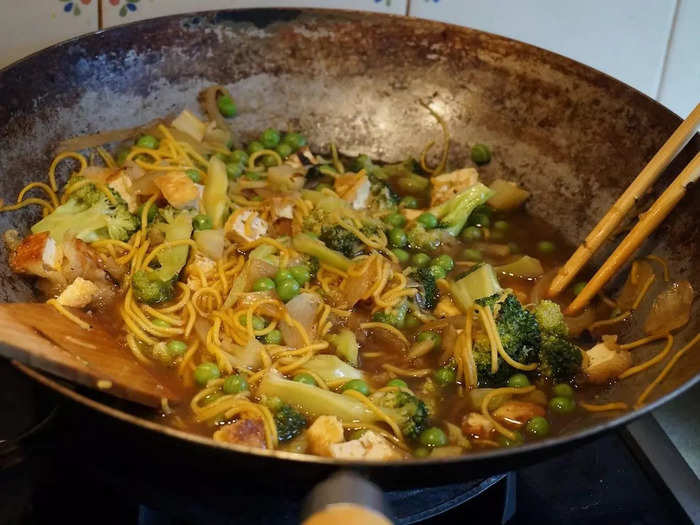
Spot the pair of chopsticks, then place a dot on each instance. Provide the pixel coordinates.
(648, 221)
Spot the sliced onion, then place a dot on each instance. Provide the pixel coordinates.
(302, 309)
(634, 285)
(108, 137)
(539, 290)
(671, 309)
(577, 325)
(208, 98)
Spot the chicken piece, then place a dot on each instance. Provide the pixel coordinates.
(122, 185)
(245, 226)
(244, 431)
(515, 414)
(369, 446)
(450, 184)
(325, 431)
(603, 363)
(446, 308)
(79, 293)
(37, 255)
(477, 426)
(354, 188)
(178, 189)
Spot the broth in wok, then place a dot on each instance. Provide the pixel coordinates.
(333, 305)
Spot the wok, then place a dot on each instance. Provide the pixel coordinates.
(573, 136)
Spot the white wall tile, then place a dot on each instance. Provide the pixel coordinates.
(121, 11)
(27, 27)
(680, 84)
(624, 38)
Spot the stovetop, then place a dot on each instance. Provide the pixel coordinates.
(607, 480)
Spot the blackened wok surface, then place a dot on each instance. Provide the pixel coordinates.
(573, 136)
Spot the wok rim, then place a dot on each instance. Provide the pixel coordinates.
(553, 443)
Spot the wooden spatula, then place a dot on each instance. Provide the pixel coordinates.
(37, 335)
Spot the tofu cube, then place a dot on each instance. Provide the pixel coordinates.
(178, 189)
(325, 431)
(370, 446)
(603, 363)
(236, 226)
(79, 293)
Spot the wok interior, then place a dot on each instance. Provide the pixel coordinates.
(570, 135)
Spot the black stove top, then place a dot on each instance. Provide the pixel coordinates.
(53, 481)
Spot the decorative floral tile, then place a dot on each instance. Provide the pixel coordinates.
(624, 38)
(117, 12)
(30, 26)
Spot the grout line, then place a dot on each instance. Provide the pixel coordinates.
(669, 40)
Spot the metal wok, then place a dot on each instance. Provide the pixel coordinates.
(574, 137)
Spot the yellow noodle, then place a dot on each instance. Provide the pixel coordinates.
(68, 315)
(388, 328)
(651, 362)
(501, 392)
(663, 263)
(604, 408)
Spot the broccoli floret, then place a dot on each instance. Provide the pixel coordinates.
(454, 213)
(559, 357)
(341, 240)
(150, 289)
(550, 318)
(425, 240)
(482, 359)
(381, 196)
(428, 296)
(89, 221)
(517, 327)
(289, 422)
(409, 412)
(88, 194)
(395, 317)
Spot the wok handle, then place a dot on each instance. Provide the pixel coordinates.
(347, 498)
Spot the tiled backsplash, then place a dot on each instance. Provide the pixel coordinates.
(652, 45)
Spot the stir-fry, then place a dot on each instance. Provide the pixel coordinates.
(330, 305)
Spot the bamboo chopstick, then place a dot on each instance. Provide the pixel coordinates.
(646, 225)
(624, 203)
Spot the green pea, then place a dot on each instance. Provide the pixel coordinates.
(263, 284)
(252, 175)
(258, 322)
(305, 378)
(202, 222)
(430, 336)
(288, 289)
(398, 238)
(283, 274)
(150, 215)
(411, 321)
(421, 452)
(160, 323)
(358, 385)
(270, 138)
(239, 156)
(513, 247)
(147, 141)
(194, 176)
(563, 390)
(234, 170)
(226, 105)
(382, 317)
(481, 154)
(398, 383)
(176, 348)
(428, 220)
(268, 161)
(444, 376)
(445, 262)
(409, 202)
(562, 405)
(518, 381)
(420, 260)
(254, 146)
(402, 255)
(537, 427)
(235, 384)
(433, 437)
(284, 150)
(205, 373)
(301, 273)
(472, 233)
(470, 254)
(438, 271)
(396, 220)
(507, 442)
(546, 247)
(578, 287)
(501, 226)
(295, 140)
(273, 337)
